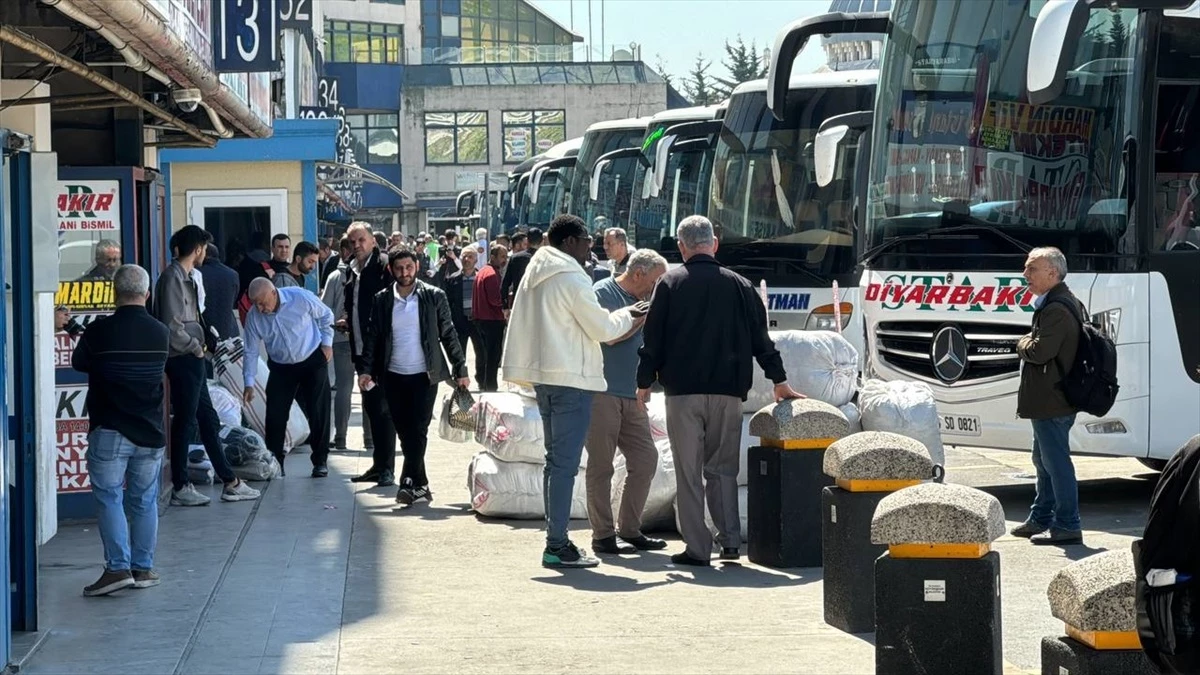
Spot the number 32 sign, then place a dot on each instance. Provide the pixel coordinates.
(245, 36)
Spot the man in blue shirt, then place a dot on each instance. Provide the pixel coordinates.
(618, 420)
(296, 329)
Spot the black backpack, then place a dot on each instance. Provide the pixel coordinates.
(1090, 384)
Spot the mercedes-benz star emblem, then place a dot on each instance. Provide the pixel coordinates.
(949, 353)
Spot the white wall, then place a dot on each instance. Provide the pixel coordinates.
(584, 105)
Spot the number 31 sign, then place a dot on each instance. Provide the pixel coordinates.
(245, 36)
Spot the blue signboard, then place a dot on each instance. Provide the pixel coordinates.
(245, 36)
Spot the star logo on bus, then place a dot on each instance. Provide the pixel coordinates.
(949, 354)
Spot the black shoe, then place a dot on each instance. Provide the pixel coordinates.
(279, 460)
(685, 559)
(612, 545)
(1028, 529)
(1058, 537)
(409, 495)
(320, 471)
(644, 543)
(730, 553)
(386, 478)
(370, 476)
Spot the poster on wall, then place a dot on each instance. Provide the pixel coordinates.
(88, 206)
(71, 426)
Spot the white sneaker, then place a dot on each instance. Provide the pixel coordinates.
(239, 493)
(189, 496)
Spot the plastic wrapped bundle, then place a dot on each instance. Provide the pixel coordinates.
(243, 446)
(905, 408)
(510, 428)
(659, 513)
(820, 364)
(228, 406)
(514, 489)
(227, 365)
(852, 414)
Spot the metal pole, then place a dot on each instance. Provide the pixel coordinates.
(603, 55)
(44, 52)
(591, 44)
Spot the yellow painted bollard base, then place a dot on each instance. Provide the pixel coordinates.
(860, 485)
(962, 551)
(1105, 640)
(798, 443)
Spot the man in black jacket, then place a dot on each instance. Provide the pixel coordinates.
(410, 326)
(704, 327)
(367, 275)
(220, 294)
(515, 269)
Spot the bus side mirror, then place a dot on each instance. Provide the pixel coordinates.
(1052, 44)
(825, 153)
(662, 154)
(594, 183)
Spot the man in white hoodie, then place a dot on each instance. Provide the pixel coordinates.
(559, 326)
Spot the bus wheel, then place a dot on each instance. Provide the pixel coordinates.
(1155, 464)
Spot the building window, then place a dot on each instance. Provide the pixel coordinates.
(491, 30)
(389, 2)
(360, 42)
(530, 132)
(376, 138)
(456, 138)
(449, 26)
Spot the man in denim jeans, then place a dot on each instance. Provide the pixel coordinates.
(1047, 353)
(125, 357)
(559, 325)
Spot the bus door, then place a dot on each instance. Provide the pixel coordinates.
(1175, 245)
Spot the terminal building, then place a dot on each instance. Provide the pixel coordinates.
(443, 96)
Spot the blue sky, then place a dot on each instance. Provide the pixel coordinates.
(679, 29)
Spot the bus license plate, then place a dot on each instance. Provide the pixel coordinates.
(960, 425)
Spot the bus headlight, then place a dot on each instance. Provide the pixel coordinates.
(1109, 322)
(823, 317)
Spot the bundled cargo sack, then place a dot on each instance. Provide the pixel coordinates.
(820, 364)
(247, 454)
(509, 427)
(850, 410)
(227, 405)
(199, 469)
(659, 513)
(227, 365)
(656, 410)
(514, 489)
(905, 408)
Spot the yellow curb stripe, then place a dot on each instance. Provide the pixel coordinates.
(964, 551)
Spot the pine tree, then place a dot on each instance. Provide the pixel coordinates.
(661, 66)
(699, 86)
(743, 63)
(1118, 36)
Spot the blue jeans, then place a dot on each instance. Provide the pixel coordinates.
(1057, 501)
(114, 463)
(566, 413)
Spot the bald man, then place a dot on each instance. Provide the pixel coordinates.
(296, 329)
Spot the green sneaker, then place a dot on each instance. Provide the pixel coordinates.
(567, 556)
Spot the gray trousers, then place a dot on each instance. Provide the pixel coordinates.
(343, 381)
(705, 433)
(618, 422)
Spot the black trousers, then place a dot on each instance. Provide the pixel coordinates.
(487, 359)
(467, 333)
(307, 383)
(192, 413)
(411, 399)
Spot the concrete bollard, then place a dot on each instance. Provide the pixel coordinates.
(785, 480)
(867, 467)
(1094, 597)
(937, 589)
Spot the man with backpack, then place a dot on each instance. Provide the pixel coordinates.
(1048, 354)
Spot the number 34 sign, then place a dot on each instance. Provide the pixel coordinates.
(245, 36)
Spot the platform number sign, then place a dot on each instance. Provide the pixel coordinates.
(295, 13)
(329, 105)
(245, 36)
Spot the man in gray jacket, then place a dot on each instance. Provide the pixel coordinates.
(176, 305)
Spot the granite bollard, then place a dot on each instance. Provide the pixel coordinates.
(937, 588)
(1094, 598)
(785, 480)
(866, 467)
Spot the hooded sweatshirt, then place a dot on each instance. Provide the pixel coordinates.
(557, 325)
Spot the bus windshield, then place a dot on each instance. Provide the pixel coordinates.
(612, 206)
(773, 221)
(552, 193)
(958, 147)
(684, 192)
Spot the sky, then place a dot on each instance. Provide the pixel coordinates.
(677, 30)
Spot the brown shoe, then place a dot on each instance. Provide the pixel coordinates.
(145, 578)
(109, 582)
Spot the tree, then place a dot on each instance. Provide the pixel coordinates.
(743, 63)
(699, 86)
(661, 66)
(1118, 36)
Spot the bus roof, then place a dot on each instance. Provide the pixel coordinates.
(629, 123)
(843, 78)
(567, 148)
(703, 112)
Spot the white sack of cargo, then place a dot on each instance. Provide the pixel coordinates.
(905, 408)
(510, 427)
(659, 512)
(743, 509)
(656, 410)
(227, 366)
(514, 489)
(853, 416)
(820, 364)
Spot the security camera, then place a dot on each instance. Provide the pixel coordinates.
(187, 99)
